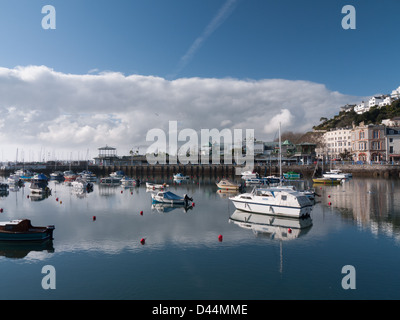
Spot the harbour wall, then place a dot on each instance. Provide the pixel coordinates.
(228, 171)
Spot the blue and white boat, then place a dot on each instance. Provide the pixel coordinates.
(169, 197)
(180, 176)
(39, 184)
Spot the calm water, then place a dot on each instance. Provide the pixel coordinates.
(182, 257)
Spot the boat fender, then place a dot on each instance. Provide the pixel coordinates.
(142, 241)
(290, 230)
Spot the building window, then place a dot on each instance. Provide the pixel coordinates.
(391, 149)
(375, 134)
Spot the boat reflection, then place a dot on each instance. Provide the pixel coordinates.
(19, 250)
(225, 194)
(167, 207)
(272, 226)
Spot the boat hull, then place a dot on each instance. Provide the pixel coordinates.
(327, 181)
(272, 209)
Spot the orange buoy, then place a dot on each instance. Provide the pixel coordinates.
(60, 202)
(220, 238)
(142, 241)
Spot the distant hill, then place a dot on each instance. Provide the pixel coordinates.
(374, 116)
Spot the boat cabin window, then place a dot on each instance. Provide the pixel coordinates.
(284, 198)
(263, 193)
(244, 197)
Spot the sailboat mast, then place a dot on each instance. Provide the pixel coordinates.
(280, 154)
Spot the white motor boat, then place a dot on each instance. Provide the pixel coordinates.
(127, 181)
(82, 184)
(154, 186)
(110, 181)
(274, 201)
(337, 174)
(249, 175)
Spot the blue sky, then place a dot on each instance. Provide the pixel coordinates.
(286, 39)
(247, 40)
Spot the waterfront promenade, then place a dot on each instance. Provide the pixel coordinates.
(221, 170)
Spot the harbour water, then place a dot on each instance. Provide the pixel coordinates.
(354, 224)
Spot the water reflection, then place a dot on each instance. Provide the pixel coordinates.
(19, 250)
(273, 227)
(165, 207)
(371, 203)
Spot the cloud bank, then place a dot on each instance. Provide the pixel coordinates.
(41, 108)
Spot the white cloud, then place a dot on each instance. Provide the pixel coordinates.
(42, 108)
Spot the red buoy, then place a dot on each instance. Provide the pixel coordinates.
(94, 218)
(142, 241)
(141, 213)
(329, 203)
(329, 195)
(1, 209)
(290, 230)
(192, 204)
(57, 199)
(220, 238)
(122, 191)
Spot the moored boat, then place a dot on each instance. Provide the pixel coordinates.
(275, 200)
(154, 186)
(228, 185)
(22, 230)
(180, 176)
(39, 184)
(127, 181)
(327, 181)
(337, 174)
(291, 175)
(110, 181)
(170, 197)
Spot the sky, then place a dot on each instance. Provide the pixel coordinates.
(111, 71)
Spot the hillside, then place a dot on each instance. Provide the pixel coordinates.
(374, 116)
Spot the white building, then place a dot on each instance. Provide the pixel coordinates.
(395, 94)
(393, 144)
(337, 141)
(361, 107)
(374, 101)
(347, 107)
(386, 102)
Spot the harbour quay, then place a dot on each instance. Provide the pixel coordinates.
(213, 170)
